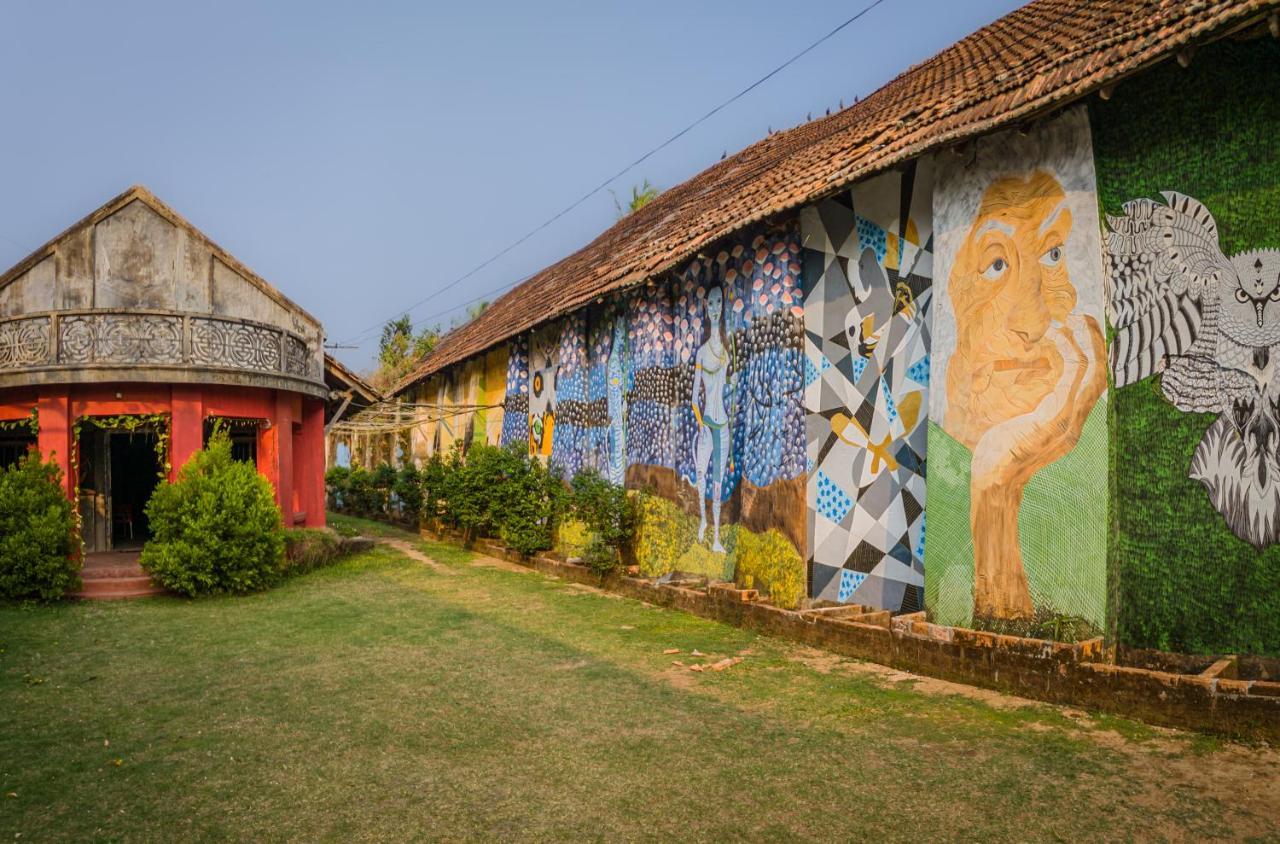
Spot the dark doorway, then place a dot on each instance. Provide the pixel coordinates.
(135, 473)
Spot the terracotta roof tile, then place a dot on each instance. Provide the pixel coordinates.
(1036, 58)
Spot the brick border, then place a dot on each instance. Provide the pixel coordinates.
(1080, 674)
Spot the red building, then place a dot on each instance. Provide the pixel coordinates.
(126, 338)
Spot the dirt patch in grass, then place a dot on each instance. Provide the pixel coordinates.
(483, 562)
(417, 556)
(826, 662)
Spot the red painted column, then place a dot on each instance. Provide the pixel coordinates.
(188, 426)
(279, 453)
(54, 408)
(311, 461)
(269, 450)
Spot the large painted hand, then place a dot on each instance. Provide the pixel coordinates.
(1009, 454)
(1014, 450)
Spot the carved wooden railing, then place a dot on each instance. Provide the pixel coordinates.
(162, 338)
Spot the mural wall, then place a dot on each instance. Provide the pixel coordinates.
(692, 389)
(867, 300)
(515, 404)
(1193, 252)
(1017, 519)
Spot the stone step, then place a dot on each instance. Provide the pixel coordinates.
(107, 572)
(105, 588)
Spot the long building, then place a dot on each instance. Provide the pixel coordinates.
(997, 341)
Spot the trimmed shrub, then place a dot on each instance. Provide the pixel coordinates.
(336, 482)
(216, 529)
(770, 563)
(39, 550)
(530, 509)
(362, 497)
(605, 508)
(407, 488)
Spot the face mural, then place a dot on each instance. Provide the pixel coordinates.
(1211, 324)
(1020, 358)
(867, 300)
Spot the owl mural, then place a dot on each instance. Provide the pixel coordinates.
(1210, 324)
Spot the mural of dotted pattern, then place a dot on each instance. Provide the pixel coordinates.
(763, 317)
(515, 417)
(569, 439)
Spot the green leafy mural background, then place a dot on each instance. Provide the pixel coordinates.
(1181, 579)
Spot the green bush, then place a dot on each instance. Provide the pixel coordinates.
(310, 548)
(529, 512)
(383, 478)
(336, 482)
(362, 496)
(408, 491)
(216, 529)
(431, 477)
(605, 508)
(39, 550)
(601, 557)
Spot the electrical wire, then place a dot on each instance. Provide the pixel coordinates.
(628, 168)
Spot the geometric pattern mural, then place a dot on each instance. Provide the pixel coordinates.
(868, 292)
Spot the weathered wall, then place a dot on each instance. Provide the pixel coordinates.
(1017, 517)
(868, 303)
(135, 258)
(1189, 178)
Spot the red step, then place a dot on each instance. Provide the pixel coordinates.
(109, 576)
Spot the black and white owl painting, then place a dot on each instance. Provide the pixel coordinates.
(1211, 325)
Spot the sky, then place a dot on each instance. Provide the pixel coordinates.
(363, 156)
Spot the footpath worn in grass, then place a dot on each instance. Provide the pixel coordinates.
(380, 699)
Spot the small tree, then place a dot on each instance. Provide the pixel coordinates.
(39, 549)
(609, 513)
(533, 504)
(408, 490)
(216, 529)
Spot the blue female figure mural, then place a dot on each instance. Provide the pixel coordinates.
(711, 372)
(616, 398)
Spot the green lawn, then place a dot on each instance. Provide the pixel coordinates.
(382, 700)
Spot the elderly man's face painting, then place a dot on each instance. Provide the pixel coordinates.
(1008, 286)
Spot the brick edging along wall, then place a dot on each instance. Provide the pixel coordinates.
(1070, 674)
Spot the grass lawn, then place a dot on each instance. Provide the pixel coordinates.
(384, 699)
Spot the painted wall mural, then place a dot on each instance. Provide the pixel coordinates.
(692, 389)
(515, 408)
(571, 411)
(1193, 252)
(867, 299)
(544, 372)
(1017, 438)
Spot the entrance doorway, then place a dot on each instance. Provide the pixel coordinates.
(119, 470)
(135, 473)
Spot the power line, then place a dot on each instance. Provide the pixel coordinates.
(643, 158)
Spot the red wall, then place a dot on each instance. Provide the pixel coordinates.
(290, 444)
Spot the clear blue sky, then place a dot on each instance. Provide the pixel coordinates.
(360, 155)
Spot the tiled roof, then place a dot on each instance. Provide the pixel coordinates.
(1034, 59)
